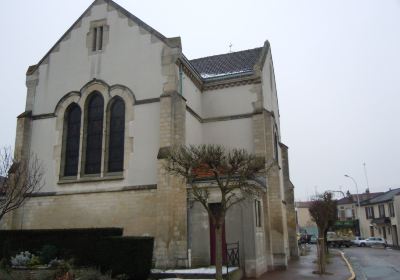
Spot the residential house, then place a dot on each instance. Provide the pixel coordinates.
(348, 213)
(379, 216)
(105, 104)
(305, 223)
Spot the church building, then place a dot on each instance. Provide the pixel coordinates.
(105, 104)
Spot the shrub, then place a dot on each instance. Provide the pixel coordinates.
(48, 253)
(131, 256)
(21, 259)
(125, 255)
(34, 261)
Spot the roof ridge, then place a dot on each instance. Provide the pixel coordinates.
(223, 54)
(137, 20)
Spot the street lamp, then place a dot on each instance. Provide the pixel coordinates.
(355, 183)
(358, 199)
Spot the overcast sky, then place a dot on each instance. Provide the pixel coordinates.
(337, 67)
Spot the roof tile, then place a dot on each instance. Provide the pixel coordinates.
(227, 65)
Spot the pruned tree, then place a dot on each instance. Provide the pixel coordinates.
(18, 180)
(324, 212)
(232, 173)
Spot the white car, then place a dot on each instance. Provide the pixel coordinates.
(373, 241)
(357, 240)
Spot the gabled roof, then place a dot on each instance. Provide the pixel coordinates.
(353, 198)
(385, 197)
(135, 19)
(227, 65)
(206, 69)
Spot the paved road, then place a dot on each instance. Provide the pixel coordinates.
(374, 263)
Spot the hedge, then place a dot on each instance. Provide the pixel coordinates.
(129, 255)
(101, 247)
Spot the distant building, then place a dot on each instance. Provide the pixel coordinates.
(348, 218)
(305, 224)
(380, 216)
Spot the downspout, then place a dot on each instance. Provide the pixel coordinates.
(188, 200)
(189, 233)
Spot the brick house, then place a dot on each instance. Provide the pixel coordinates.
(103, 106)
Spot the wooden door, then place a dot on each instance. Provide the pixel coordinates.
(212, 244)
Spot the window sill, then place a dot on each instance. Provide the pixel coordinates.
(89, 179)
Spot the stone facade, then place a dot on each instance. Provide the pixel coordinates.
(168, 102)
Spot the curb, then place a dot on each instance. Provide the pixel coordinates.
(353, 275)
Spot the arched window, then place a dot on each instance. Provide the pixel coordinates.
(94, 134)
(116, 136)
(72, 136)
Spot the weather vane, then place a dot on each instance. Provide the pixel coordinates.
(230, 47)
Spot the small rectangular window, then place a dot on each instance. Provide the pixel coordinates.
(97, 43)
(391, 209)
(381, 211)
(100, 38)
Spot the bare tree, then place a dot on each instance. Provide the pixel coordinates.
(232, 174)
(323, 212)
(18, 180)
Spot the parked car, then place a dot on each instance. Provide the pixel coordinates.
(313, 239)
(370, 241)
(357, 240)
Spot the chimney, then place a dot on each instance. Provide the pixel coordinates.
(367, 191)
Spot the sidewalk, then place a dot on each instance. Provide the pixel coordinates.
(304, 267)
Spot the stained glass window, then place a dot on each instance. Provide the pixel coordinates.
(94, 134)
(73, 128)
(117, 133)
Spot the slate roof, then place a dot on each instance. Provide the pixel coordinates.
(387, 196)
(227, 65)
(353, 198)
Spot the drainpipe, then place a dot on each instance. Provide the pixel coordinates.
(189, 233)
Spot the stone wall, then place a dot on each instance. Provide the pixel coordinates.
(290, 207)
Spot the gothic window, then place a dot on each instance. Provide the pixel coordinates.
(72, 130)
(94, 134)
(116, 136)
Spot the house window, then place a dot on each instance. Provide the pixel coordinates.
(116, 135)
(98, 34)
(342, 214)
(94, 134)
(369, 212)
(257, 205)
(72, 129)
(391, 209)
(381, 211)
(371, 231)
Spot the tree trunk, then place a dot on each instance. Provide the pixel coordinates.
(218, 250)
(321, 253)
(326, 242)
